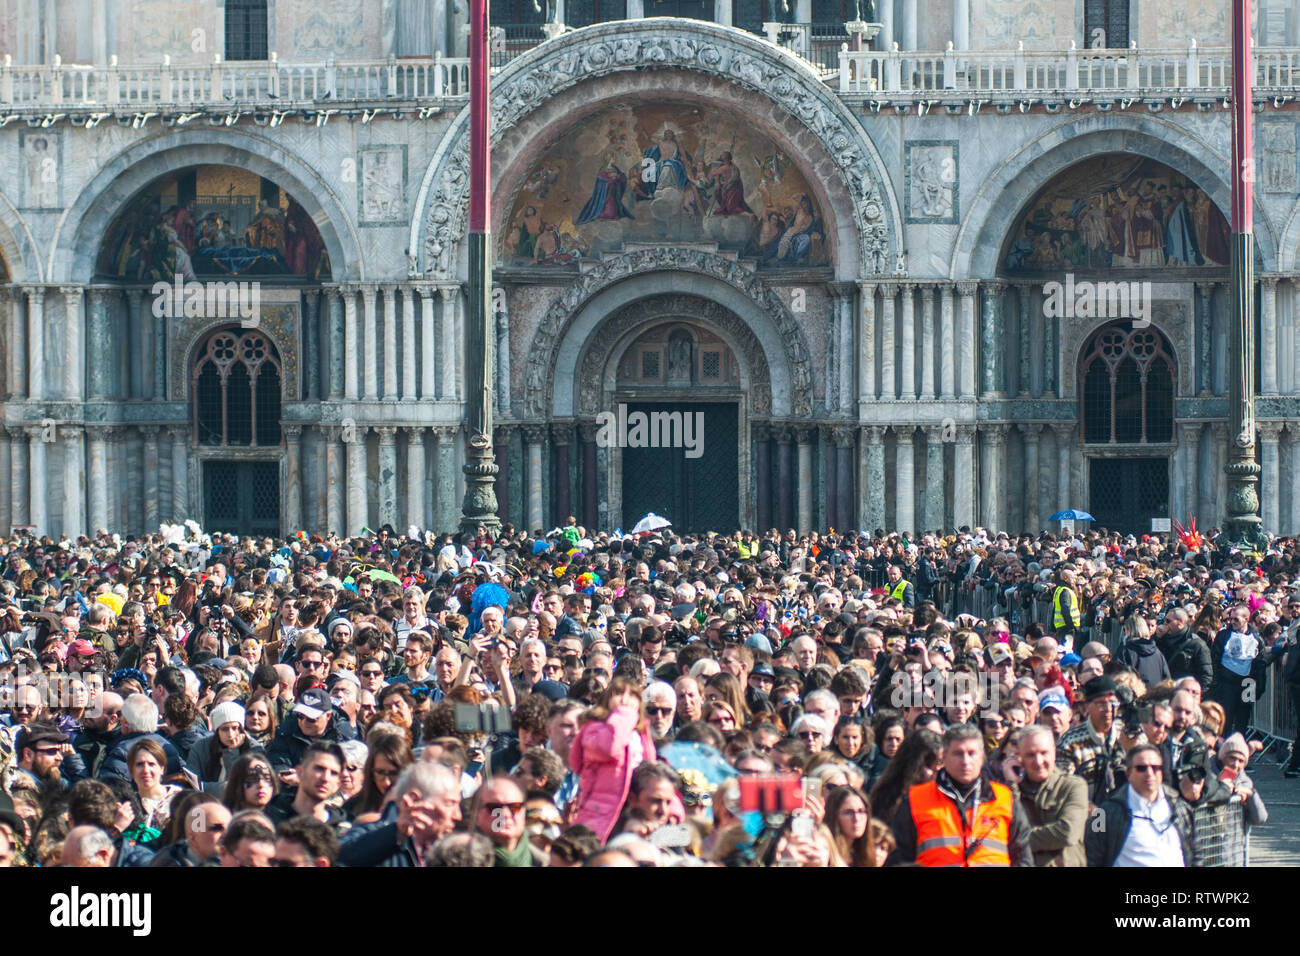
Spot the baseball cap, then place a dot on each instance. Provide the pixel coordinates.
(313, 703)
(81, 648)
(998, 654)
(1053, 699)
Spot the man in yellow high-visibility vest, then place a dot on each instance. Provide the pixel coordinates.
(1066, 618)
(900, 588)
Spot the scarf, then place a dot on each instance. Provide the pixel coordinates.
(519, 856)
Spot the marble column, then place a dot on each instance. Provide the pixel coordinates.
(1025, 320)
(149, 463)
(966, 290)
(158, 354)
(1064, 442)
(888, 386)
(358, 511)
(1219, 480)
(39, 481)
(387, 474)
(927, 343)
(1293, 430)
(74, 343)
(6, 475)
(909, 24)
(867, 344)
(428, 354)
(905, 479)
(1204, 336)
(335, 337)
(74, 481)
(961, 24)
(501, 484)
(562, 439)
(992, 342)
(989, 478)
(1185, 468)
(134, 362)
(885, 11)
(447, 506)
(409, 352)
(501, 352)
(1268, 347)
(947, 345)
(450, 351)
(19, 492)
(1270, 479)
(18, 344)
(590, 477)
(934, 484)
(1032, 431)
(334, 482)
(100, 335)
(760, 433)
(963, 478)
(311, 359)
(1051, 356)
(293, 478)
(349, 353)
(844, 467)
(784, 477)
(370, 341)
(391, 364)
(416, 513)
(871, 490)
(180, 438)
(907, 342)
(533, 435)
(36, 348)
(830, 479)
(804, 436)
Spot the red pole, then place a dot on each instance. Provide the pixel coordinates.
(1243, 139)
(479, 158)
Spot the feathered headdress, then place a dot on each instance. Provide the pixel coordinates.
(1190, 537)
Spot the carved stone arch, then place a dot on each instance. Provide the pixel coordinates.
(604, 350)
(743, 61)
(21, 256)
(780, 335)
(83, 225)
(1000, 199)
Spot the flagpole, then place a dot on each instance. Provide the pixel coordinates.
(479, 508)
(1242, 524)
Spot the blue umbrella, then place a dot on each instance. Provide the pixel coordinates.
(1072, 514)
(692, 755)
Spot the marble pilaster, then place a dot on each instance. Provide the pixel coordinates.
(905, 479)
(387, 474)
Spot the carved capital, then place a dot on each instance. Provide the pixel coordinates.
(150, 432)
(562, 433)
(292, 433)
(588, 430)
(534, 434)
(1064, 430)
(965, 434)
(1270, 431)
(996, 433)
(415, 434)
(35, 294)
(874, 434)
(387, 434)
(803, 434)
(966, 288)
(1031, 431)
(994, 286)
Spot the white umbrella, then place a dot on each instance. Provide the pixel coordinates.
(651, 522)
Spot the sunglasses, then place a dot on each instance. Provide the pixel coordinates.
(1148, 767)
(312, 665)
(372, 673)
(658, 711)
(512, 807)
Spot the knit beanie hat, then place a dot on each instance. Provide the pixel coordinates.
(226, 712)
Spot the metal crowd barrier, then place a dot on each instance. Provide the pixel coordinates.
(1275, 717)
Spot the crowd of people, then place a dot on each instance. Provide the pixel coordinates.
(567, 699)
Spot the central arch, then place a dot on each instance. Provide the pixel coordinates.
(664, 51)
(574, 318)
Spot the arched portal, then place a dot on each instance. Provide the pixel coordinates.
(235, 410)
(1128, 378)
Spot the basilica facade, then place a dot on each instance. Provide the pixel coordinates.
(910, 264)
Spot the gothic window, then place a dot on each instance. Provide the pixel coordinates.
(246, 30)
(236, 388)
(1105, 24)
(1127, 387)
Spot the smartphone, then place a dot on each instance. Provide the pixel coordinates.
(812, 788)
(802, 826)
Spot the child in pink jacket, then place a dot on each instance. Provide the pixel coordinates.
(612, 742)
